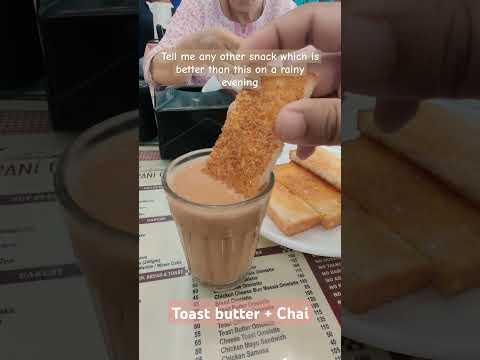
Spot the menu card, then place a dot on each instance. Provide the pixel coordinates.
(40, 281)
(277, 275)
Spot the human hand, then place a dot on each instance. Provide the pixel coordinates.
(316, 121)
(409, 50)
(211, 39)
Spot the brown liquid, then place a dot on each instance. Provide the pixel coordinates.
(103, 182)
(219, 242)
(191, 183)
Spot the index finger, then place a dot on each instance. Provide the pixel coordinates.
(313, 24)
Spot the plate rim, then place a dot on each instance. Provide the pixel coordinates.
(355, 329)
(336, 252)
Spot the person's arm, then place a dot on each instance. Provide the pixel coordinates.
(408, 50)
(188, 19)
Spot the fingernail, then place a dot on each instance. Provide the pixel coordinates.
(303, 152)
(290, 125)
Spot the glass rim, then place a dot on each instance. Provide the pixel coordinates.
(100, 132)
(267, 189)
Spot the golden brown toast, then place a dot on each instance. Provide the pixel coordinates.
(320, 195)
(291, 214)
(322, 163)
(440, 138)
(247, 149)
(439, 223)
(377, 265)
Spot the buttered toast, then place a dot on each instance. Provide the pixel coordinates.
(440, 224)
(322, 163)
(291, 214)
(318, 194)
(247, 148)
(442, 138)
(378, 266)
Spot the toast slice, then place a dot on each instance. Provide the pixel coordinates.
(322, 163)
(439, 223)
(441, 138)
(291, 214)
(378, 266)
(320, 195)
(247, 148)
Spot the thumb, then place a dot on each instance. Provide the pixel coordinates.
(310, 122)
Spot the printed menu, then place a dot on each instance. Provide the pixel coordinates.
(29, 207)
(277, 275)
(41, 283)
(40, 280)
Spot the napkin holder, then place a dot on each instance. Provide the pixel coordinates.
(90, 59)
(188, 119)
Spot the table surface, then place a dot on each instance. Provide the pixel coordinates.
(326, 285)
(28, 132)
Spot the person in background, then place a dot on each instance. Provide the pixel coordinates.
(302, 2)
(145, 26)
(209, 24)
(176, 4)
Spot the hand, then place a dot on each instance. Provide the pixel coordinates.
(211, 39)
(316, 121)
(409, 50)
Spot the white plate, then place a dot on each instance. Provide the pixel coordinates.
(422, 324)
(316, 241)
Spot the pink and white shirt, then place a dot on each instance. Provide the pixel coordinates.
(197, 15)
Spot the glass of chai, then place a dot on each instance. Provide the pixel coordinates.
(96, 183)
(218, 228)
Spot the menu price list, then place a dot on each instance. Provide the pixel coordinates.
(328, 272)
(197, 334)
(40, 282)
(277, 275)
(335, 345)
(249, 341)
(238, 340)
(29, 209)
(26, 308)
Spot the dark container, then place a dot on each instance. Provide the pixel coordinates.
(91, 59)
(22, 60)
(188, 119)
(148, 127)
